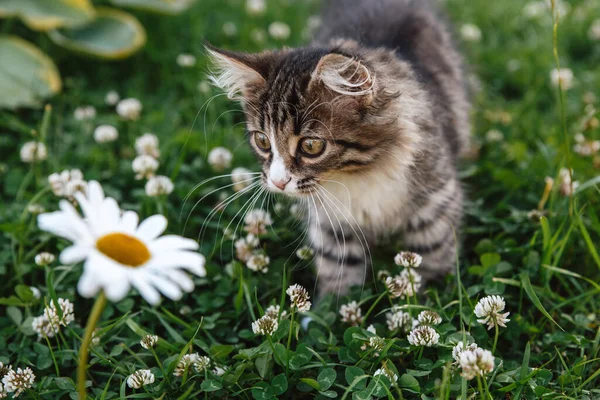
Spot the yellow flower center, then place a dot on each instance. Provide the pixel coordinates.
(124, 249)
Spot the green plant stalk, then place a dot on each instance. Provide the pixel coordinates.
(495, 338)
(85, 344)
(52, 355)
(160, 366)
(480, 386)
(289, 342)
(373, 307)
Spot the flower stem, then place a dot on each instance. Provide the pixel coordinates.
(289, 342)
(495, 339)
(87, 339)
(480, 386)
(373, 307)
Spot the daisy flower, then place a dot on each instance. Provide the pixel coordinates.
(489, 310)
(299, 297)
(129, 109)
(159, 185)
(351, 313)
(220, 158)
(139, 378)
(423, 336)
(105, 134)
(120, 253)
(147, 144)
(33, 152)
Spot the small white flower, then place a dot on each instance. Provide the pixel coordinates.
(299, 297)
(256, 7)
(535, 9)
(158, 186)
(258, 35)
(33, 152)
(119, 252)
(564, 76)
(37, 294)
(147, 144)
(4, 370)
(494, 135)
(372, 329)
(242, 178)
(66, 309)
(430, 318)
(35, 209)
(186, 363)
(257, 222)
(351, 313)
(229, 29)
(594, 32)
(387, 373)
(204, 87)
(297, 211)
(470, 33)
(149, 341)
(185, 60)
(219, 371)
(377, 343)
(489, 310)
(279, 30)
(18, 381)
(258, 263)
(84, 113)
(460, 348)
(313, 23)
(144, 166)
(139, 378)
(408, 259)
(566, 187)
(220, 158)
(476, 362)
(265, 326)
(423, 336)
(407, 284)
(202, 364)
(398, 319)
(59, 181)
(44, 259)
(513, 65)
(112, 98)
(105, 134)
(75, 186)
(41, 325)
(273, 312)
(305, 253)
(129, 109)
(185, 310)
(244, 247)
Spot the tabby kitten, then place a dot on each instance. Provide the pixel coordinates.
(366, 124)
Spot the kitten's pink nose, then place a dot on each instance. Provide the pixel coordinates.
(281, 183)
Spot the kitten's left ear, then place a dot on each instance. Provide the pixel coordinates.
(240, 73)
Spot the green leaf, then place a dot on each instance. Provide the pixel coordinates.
(490, 259)
(312, 383)
(45, 15)
(279, 384)
(170, 7)
(113, 34)
(220, 351)
(211, 385)
(534, 299)
(329, 393)
(262, 365)
(11, 301)
(352, 373)
(409, 383)
(24, 292)
(262, 391)
(27, 75)
(281, 353)
(326, 378)
(15, 314)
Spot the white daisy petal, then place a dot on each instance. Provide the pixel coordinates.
(170, 242)
(88, 286)
(166, 287)
(129, 221)
(181, 278)
(111, 212)
(117, 289)
(74, 254)
(193, 262)
(152, 227)
(148, 292)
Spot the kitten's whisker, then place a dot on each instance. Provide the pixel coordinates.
(245, 209)
(192, 190)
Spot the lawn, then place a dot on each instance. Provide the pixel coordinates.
(531, 234)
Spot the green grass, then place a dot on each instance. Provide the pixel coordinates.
(547, 271)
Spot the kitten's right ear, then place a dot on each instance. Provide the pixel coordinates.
(239, 74)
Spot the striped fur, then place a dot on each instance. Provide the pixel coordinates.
(382, 88)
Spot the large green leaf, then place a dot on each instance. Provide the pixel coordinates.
(44, 15)
(27, 75)
(160, 6)
(113, 34)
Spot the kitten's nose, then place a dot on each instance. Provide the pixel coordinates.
(281, 183)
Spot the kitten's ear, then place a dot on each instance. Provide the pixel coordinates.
(345, 75)
(239, 74)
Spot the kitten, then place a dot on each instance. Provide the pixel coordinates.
(366, 124)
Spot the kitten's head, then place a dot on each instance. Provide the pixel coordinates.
(312, 114)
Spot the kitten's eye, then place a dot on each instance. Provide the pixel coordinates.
(312, 147)
(262, 141)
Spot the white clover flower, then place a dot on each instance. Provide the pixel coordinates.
(407, 284)
(59, 181)
(408, 259)
(256, 7)
(377, 343)
(460, 348)
(18, 381)
(372, 329)
(566, 187)
(147, 144)
(4, 370)
(185, 60)
(279, 30)
(219, 371)
(75, 186)
(149, 341)
(202, 364)
(423, 336)
(204, 87)
(265, 326)
(129, 109)
(305, 253)
(297, 211)
(105, 134)
(387, 373)
(119, 252)
(33, 152)
(159, 185)
(41, 325)
(470, 33)
(476, 362)
(494, 136)
(313, 23)
(489, 310)
(398, 319)
(257, 222)
(242, 178)
(535, 9)
(258, 35)
(594, 31)
(244, 247)
(139, 378)
(430, 318)
(229, 29)
(112, 98)
(513, 65)
(66, 309)
(219, 159)
(564, 76)
(44, 259)
(84, 113)
(383, 274)
(96, 337)
(186, 363)
(351, 313)
(144, 166)
(273, 312)
(299, 297)
(37, 294)
(258, 263)
(35, 209)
